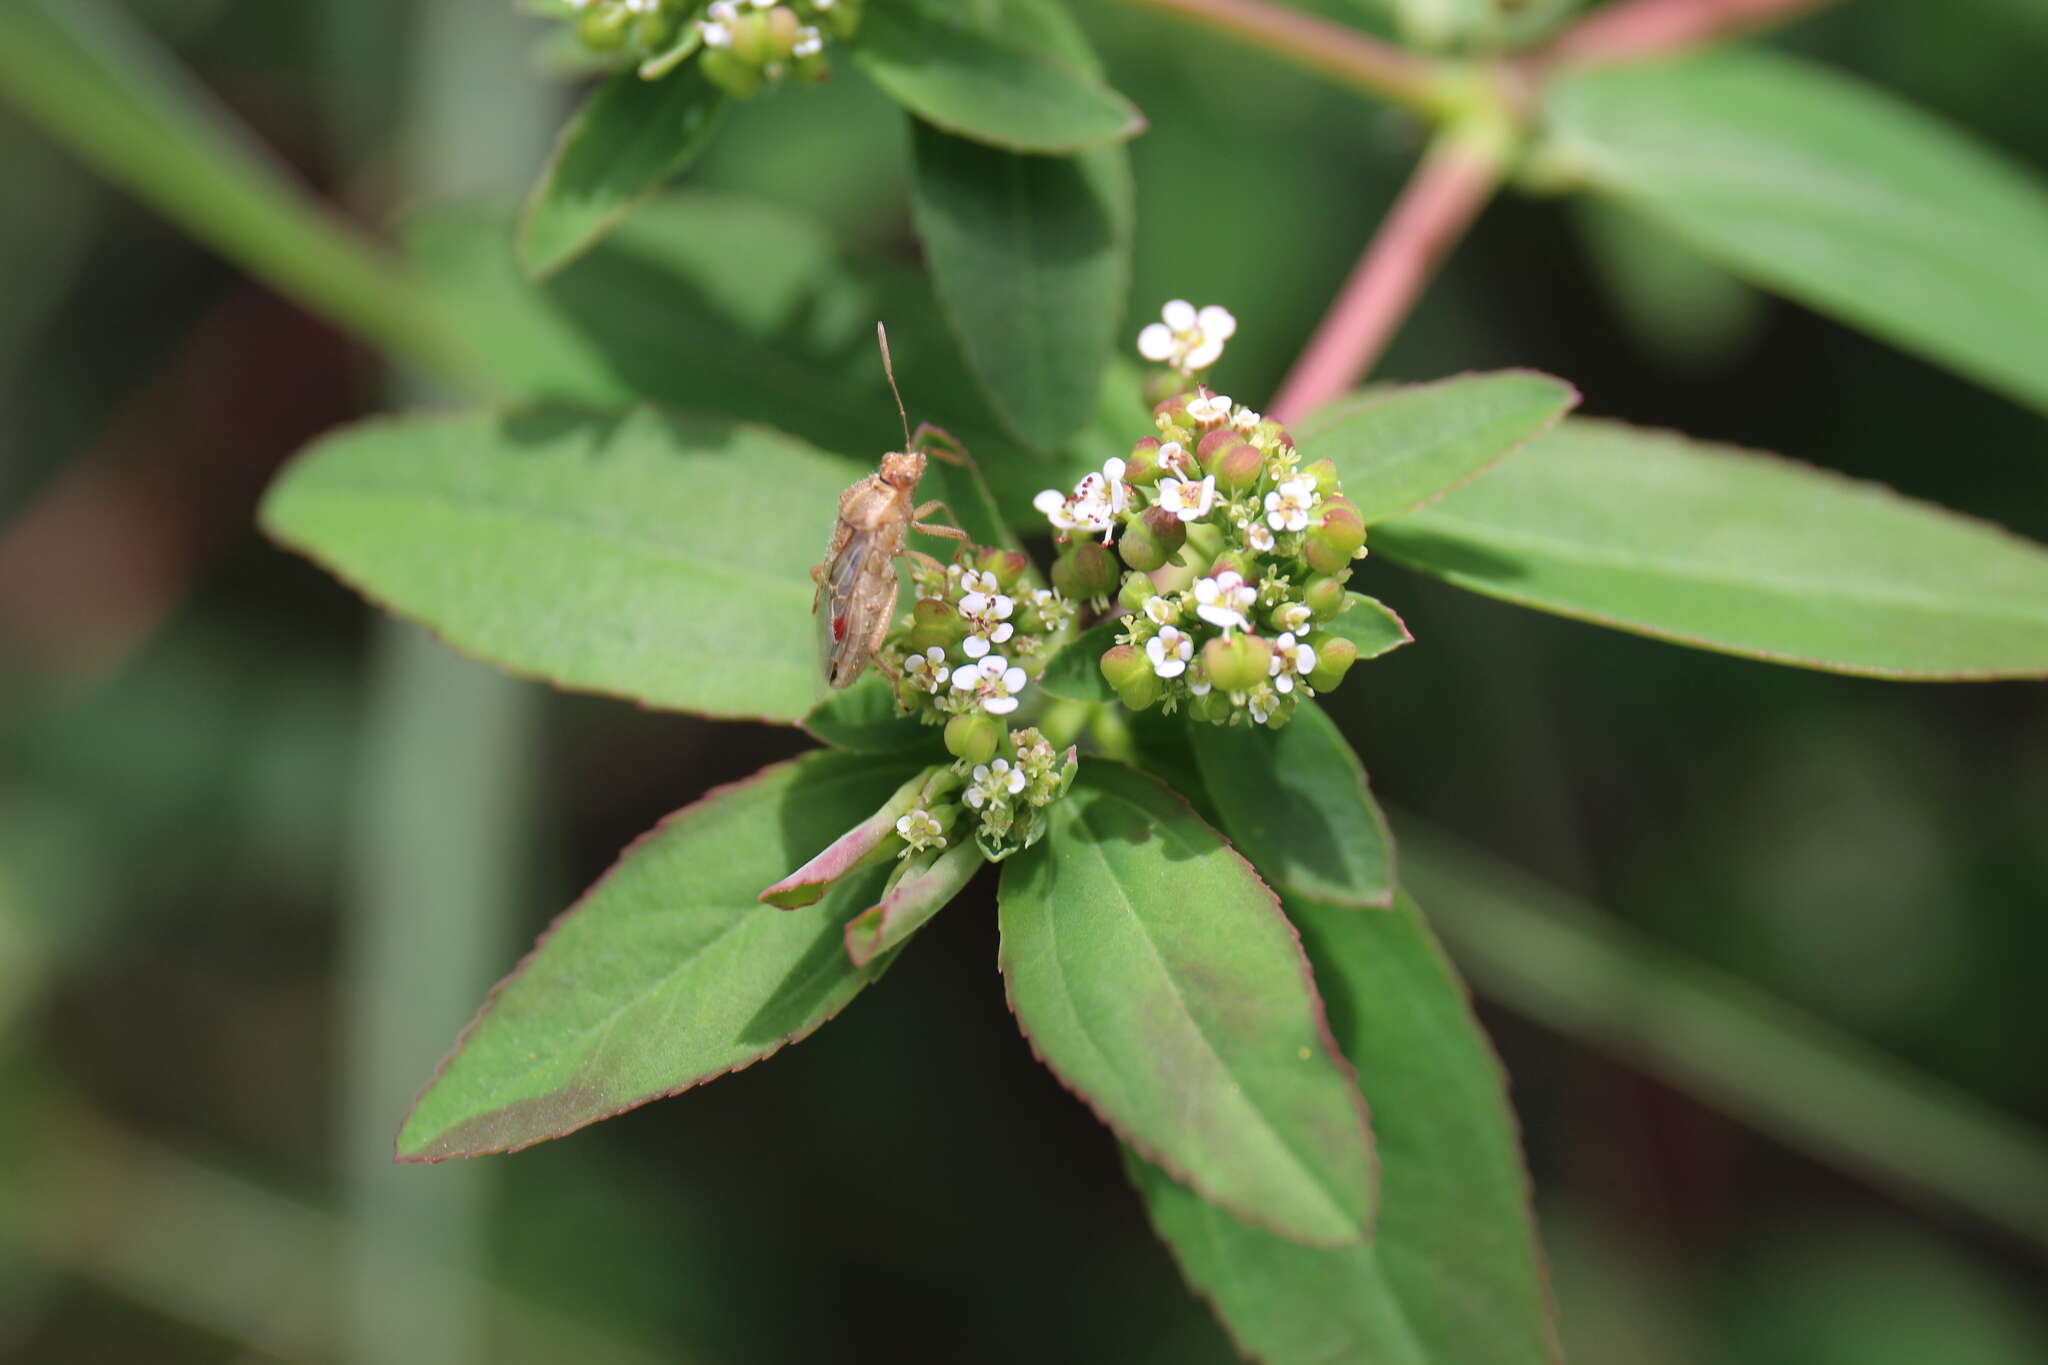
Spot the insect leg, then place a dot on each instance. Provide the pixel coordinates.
(948, 532)
(939, 442)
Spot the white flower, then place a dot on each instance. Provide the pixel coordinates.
(1199, 686)
(1174, 458)
(809, 42)
(920, 830)
(992, 681)
(1055, 612)
(987, 615)
(1094, 505)
(927, 671)
(1170, 651)
(1257, 536)
(1187, 339)
(713, 33)
(1224, 600)
(1162, 611)
(979, 581)
(1186, 499)
(1291, 660)
(1246, 420)
(992, 782)
(1293, 616)
(1263, 702)
(1209, 407)
(1287, 506)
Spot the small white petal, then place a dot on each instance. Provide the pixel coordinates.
(1155, 342)
(999, 706)
(1217, 321)
(1179, 314)
(974, 646)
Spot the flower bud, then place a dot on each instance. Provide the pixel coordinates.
(1142, 468)
(1210, 448)
(1085, 571)
(654, 32)
(1234, 561)
(1153, 539)
(1172, 405)
(933, 622)
(1330, 544)
(1211, 708)
(973, 736)
(604, 29)
(1325, 595)
(780, 25)
(1334, 657)
(1324, 472)
(1239, 663)
(1239, 467)
(730, 72)
(1007, 565)
(1123, 665)
(1141, 693)
(1135, 592)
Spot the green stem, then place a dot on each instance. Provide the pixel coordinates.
(1344, 54)
(100, 85)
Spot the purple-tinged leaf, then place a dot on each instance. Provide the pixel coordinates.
(1372, 625)
(862, 846)
(906, 906)
(1154, 973)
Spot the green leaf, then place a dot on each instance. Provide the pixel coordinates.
(1074, 673)
(978, 86)
(1031, 259)
(1371, 625)
(865, 719)
(1741, 552)
(1295, 802)
(645, 555)
(630, 137)
(1154, 973)
(1400, 449)
(910, 903)
(667, 972)
(1837, 194)
(1452, 1275)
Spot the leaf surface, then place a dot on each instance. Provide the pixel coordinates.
(1154, 973)
(1371, 625)
(1741, 552)
(1403, 448)
(667, 972)
(1832, 192)
(1074, 672)
(1295, 802)
(1452, 1275)
(976, 85)
(643, 555)
(630, 137)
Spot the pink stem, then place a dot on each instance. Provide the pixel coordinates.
(1435, 207)
(1336, 50)
(1646, 28)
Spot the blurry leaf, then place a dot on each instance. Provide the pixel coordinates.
(1405, 448)
(1075, 672)
(1371, 625)
(1832, 192)
(97, 81)
(1738, 551)
(667, 972)
(630, 137)
(978, 86)
(1156, 976)
(644, 555)
(910, 903)
(866, 719)
(1295, 802)
(1031, 258)
(1451, 1275)
(1596, 980)
(1691, 313)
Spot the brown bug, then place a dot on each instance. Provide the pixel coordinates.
(858, 574)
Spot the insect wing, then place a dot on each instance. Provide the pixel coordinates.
(861, 596)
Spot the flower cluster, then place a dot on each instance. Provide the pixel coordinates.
(1234, 552)
(1003, 797)
(747, 45)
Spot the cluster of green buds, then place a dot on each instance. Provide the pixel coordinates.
(1234, 555)
(746, 45)
(1001, 800)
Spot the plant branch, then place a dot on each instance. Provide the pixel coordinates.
(1356, 59)
(1457, 176)
(1636, 29)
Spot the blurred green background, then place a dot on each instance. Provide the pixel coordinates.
(260, 854)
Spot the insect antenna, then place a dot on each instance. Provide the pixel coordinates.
(882, 336)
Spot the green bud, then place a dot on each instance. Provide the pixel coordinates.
(1007, 565)
(1239, 467)
(1209, 450)
(604, 28)
(973, 736)
(1123, 665)
(1207, 539)
(1141, 693)
(1136, 589)
(1086, 571)
(655, 32)
(1211, 708)
(1328, 547)
(1142, 468)
(1236, 561)
(1169, 400)
(1153, 539)
(1334, 657)
(731, 73)
(779, 26)
(1324, 472)
(1239, 663)
(1325, 596)
(933, 622)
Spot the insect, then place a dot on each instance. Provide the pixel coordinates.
(857, 580)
